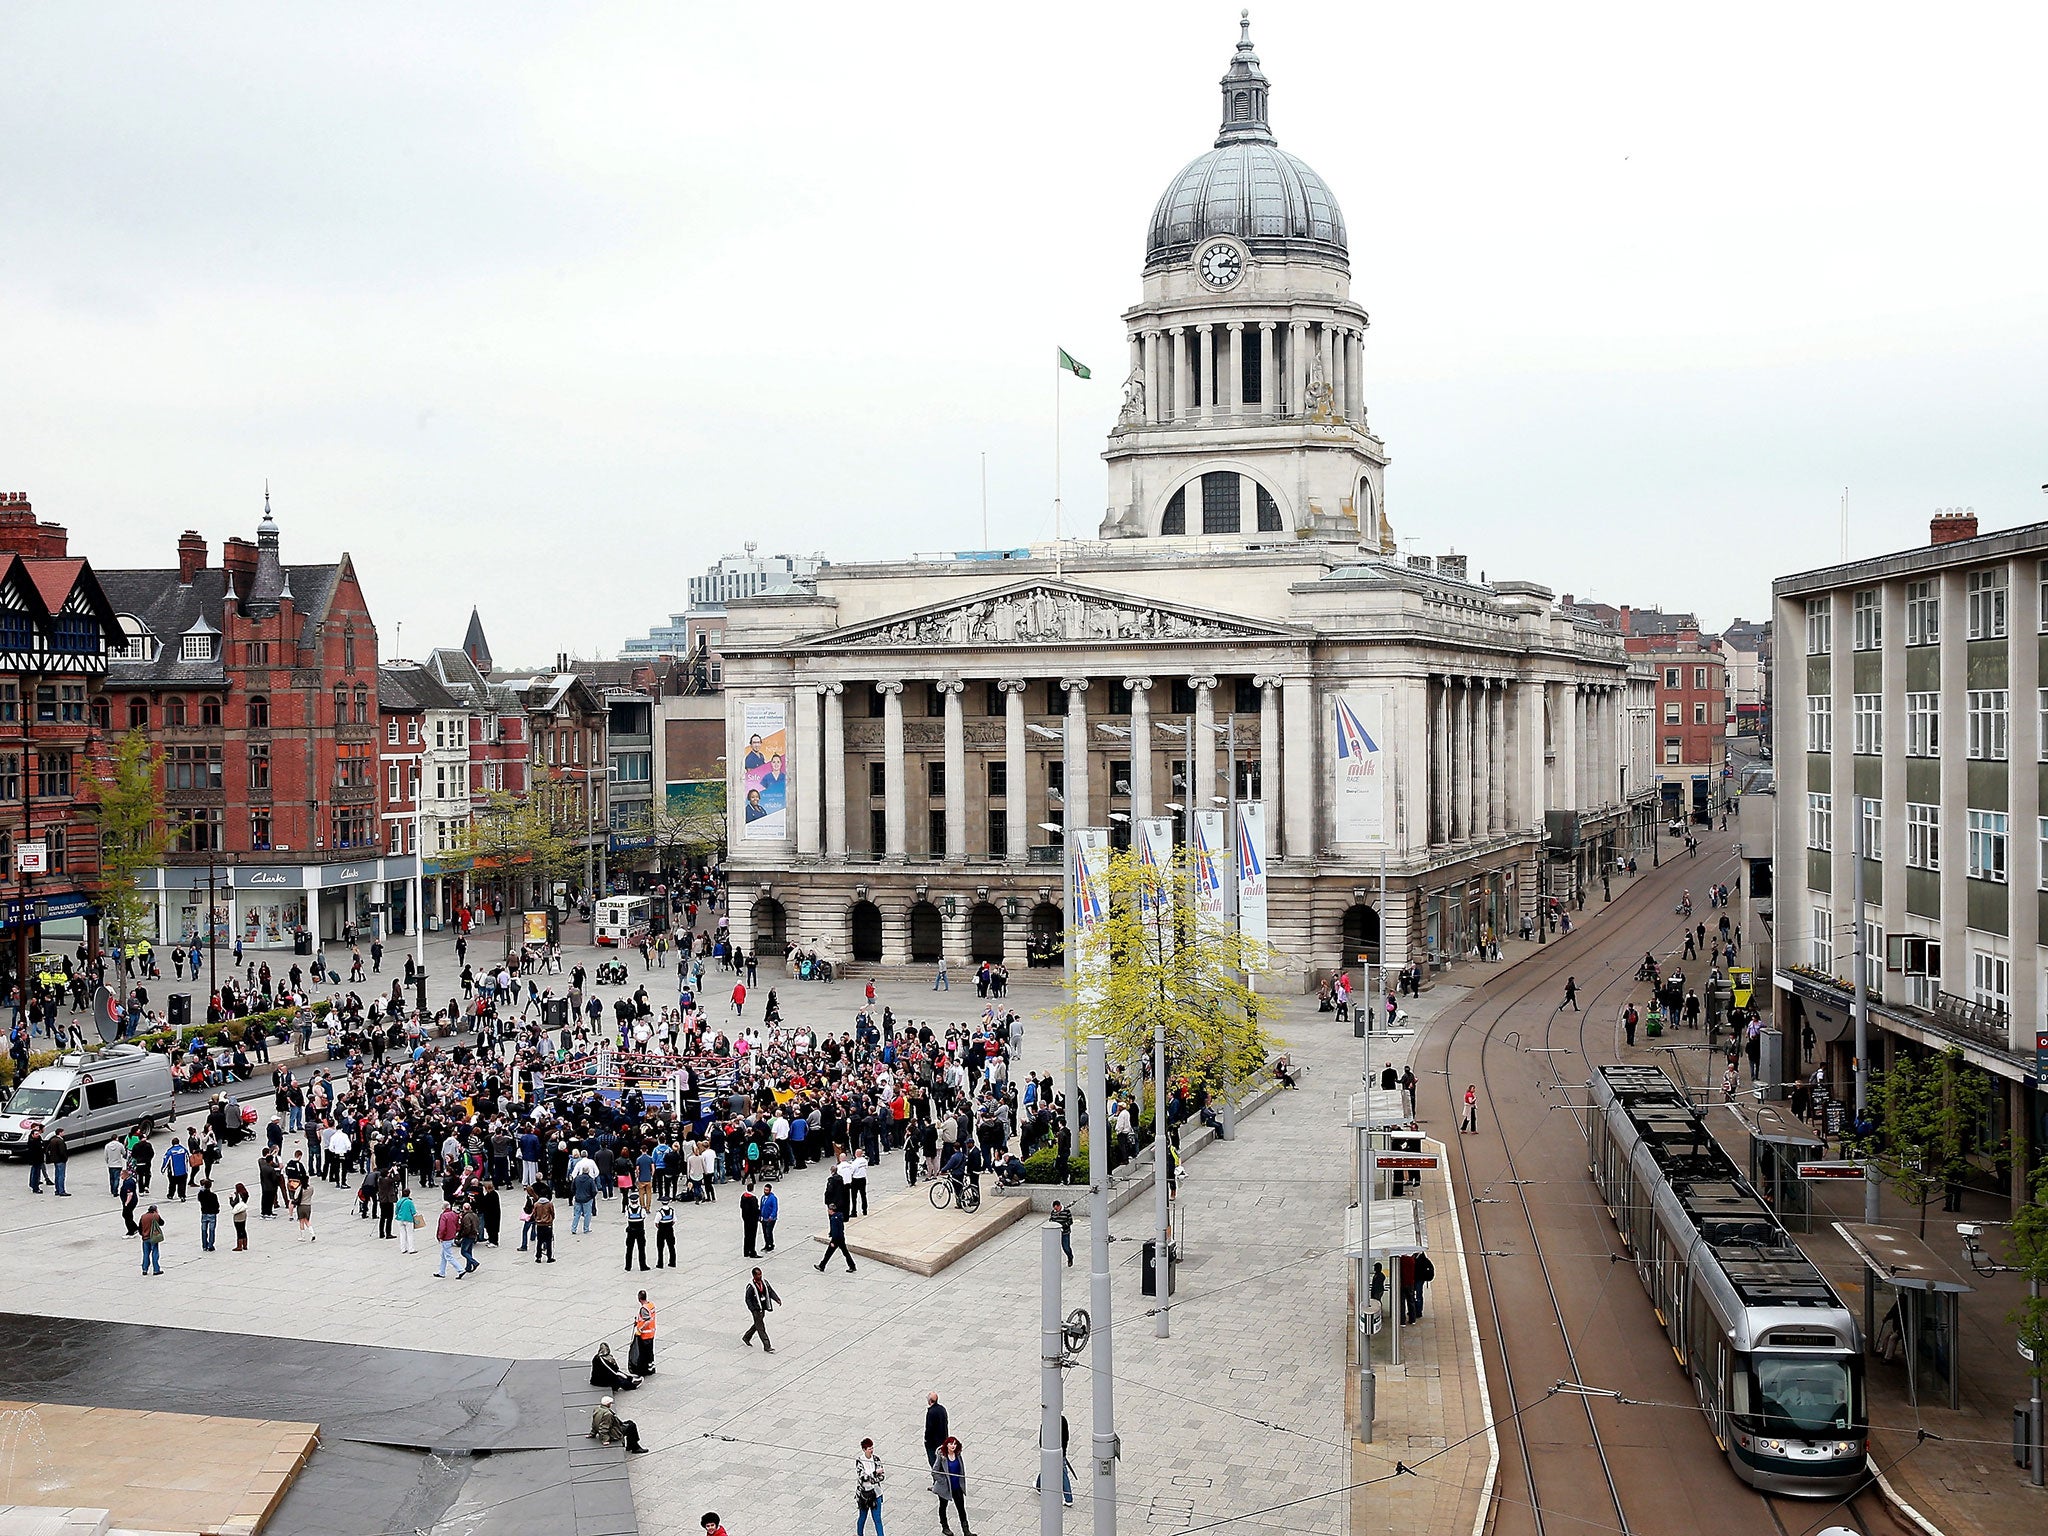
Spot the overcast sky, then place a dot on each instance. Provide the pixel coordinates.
(544, 307)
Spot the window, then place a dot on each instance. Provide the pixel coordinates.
(209, 710)
(934, 701)
(1873, 830)
(1820, 822)
(1671, 713)
(2041, 574)
(391, 731)
(1987, 845)
(394, 783)
(1699, 714)
(1986, 592)
(935, 832)
(1671, 677)
(1866, 627)
(1988, 720)
(998, 780)
(1819, 626)
(138, 714)
(53, 775)
(197, 828)
(1175, 518)
(878, 830)
(193, 768)
(75, 634)
(1269, 511)
(1873, 958)
(1990, 981)
(1222, 509)
(1120, 778)
(935, 780)
(341, 706)
(362, 706)
(256, 653)
(1867, 718)
(2044, 851)
(10, 776)
(632, 767)
(1672, 751)
(412, 730)
(878, 778)
(352, 766)
(259, 766)
(196, 648)
(1923, 613)
(259, 713)
(1823, 940)
(1923, 725)
(351, 825)
(1056, 778)
(174, 711)
(1699, 679)
(998, 835)
(1820, 723)
(348, 650)
(102, 713)
(1923, 836)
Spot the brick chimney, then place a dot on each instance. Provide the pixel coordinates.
(191, 556)
(1621, 618)
(238, 558)
(1952, 525)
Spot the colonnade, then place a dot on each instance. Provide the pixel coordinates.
(1196, 374)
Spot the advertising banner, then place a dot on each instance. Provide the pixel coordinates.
(1155, 853)
(1357, 766)
(1091, 908)
(1212, 906)
(764, 770)
(1251, 869)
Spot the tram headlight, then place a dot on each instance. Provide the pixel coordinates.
(1774, 1447)
(1845, 1447)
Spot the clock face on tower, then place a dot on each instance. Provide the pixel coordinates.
(1219, 264)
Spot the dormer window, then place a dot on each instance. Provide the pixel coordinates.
(17, 631)
(137, 643)
(196, 648)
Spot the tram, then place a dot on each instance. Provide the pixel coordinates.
(1775, 1359)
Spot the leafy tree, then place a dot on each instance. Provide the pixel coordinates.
(1163, 963)
(680, 836)
(1930, 1112)
(515, 837)
(2028, 1252)
(134, 836)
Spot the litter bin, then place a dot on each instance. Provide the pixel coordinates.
(181, 1009)
(1149, 1281)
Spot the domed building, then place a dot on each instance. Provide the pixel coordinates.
(1244, 407)
(909, 742)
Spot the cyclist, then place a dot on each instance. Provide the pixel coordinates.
(956, 1171)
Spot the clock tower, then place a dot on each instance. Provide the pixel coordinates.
(1244, 407)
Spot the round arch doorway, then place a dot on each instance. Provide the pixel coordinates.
(1361, 942)
(985, 933)
(865, 918)
(771, 925)
(927, 934)
(1048, 943)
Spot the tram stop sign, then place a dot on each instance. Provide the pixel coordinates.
(2041, 1054)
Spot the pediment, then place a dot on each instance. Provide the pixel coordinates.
(1048, 613)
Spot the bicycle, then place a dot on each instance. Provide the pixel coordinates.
(942, 1195)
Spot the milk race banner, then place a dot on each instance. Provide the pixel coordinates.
(1251, 869)
(765, 771)
(1211, 904)
(1358, 766)
(1155, 853)
(1091, 908)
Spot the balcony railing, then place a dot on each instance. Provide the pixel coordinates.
(1988, 1023)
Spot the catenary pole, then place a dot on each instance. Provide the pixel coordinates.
(1101, 1360)
(1871, 1192)
(1051, 1391)
(1162, 1262)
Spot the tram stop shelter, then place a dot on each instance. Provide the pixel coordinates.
(1378, 1109)
(1397, 1231)
(1928, 1297)
(1779, 1142)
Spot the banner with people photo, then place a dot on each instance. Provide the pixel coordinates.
(1357, 766)
(764, 771)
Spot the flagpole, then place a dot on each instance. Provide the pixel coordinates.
(1058, 534)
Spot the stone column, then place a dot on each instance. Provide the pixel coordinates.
(1177, 362)
(1141, 745)
(1074, 793)
(1233, 391)
(1482, 761)
(1297, 366)
(1202, 750)
(835, 770)
(1298, 798)
(1016, 772)
(1339, 390)
(1269, 752)
(1440, 764)
(807, 782)
(896, 800)
(1205, 385)
(1461, 761)
(1323, 352)
(1497, 754)
(1356, 373)
(1153, 382)
(956, 774)
(1269, 384)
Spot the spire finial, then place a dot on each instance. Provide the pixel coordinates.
(1244, 92)
(1244, 29)
(266, 496)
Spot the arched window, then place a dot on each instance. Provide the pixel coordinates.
(1176, 518)
(209, 710)
(138, 713)
(259, 711)
(174, 710)
(362, 706)
(102, 712)
(348, 649)
(1222, 509)
(1269, 512)
(341, 706)
(1241, 105)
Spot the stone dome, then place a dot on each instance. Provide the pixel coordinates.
(1247, 186)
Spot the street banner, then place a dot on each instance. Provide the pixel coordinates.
(1251, 872)
(1357, 766)
(1155, 853)
(1212, 906)
(1091, 909)
(765, 771)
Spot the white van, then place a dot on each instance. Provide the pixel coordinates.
(90, 1097)
(622, 919)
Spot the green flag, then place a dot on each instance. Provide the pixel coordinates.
(1078, 370)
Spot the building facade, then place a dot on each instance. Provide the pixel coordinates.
(906, 742)
(1914, 715)
(1691, 719)
(1746, 663)
(256, 683)
(56, 630)
(426, 772)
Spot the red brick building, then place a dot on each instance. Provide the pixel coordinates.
(1691, 730)
(256, 682)
(56, 628)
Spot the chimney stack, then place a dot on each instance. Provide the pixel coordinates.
(191, 556)
(238, 558)
(1951, 525)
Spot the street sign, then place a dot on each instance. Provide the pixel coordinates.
(2026, 1354)
(1831, 1171)
(2041, 1054)
(32, 858)
(1411, 1160)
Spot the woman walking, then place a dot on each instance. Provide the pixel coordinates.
(238, 1212)
(302, 1203)
(949, 1482)
(406, 1216)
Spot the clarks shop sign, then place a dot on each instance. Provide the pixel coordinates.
(348, 874)
(277, 879)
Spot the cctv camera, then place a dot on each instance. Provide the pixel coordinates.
(1969, 1229)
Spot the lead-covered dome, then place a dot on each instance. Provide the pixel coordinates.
(1247, 186)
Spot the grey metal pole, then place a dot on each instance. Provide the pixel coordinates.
(1871, 1191)
(1051, 1389)
(1162, 1264)
(2040, 1441)
(1377, 1004)
(1069, 919)
(1101, 1360)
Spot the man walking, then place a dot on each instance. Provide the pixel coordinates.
(935, 1426)
(761, 1299)
(447, 1231)
(1628, 1022)
(835, 1210)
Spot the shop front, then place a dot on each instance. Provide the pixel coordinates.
(269, 904)
(343, 900)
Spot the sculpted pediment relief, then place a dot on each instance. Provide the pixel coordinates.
(1048, 614)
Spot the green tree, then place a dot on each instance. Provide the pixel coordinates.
(1163, 963)
(679, 836)
(134, 837)
(514, 838)
(1930, 1114)
(2027, 1250)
